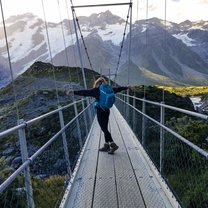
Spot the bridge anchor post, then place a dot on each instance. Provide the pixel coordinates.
(78, 126)
(162, 121)
(24, 155)
(143, 122)
(65, 145)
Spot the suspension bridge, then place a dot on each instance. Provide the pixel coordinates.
(149, 169)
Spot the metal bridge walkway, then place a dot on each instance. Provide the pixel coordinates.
(124, 179)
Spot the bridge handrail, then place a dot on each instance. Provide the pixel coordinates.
(198, 115)
(30, 122)
(16, 173)
(198, 149)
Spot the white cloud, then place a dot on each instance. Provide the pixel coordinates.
(177, 10)
(192, 10)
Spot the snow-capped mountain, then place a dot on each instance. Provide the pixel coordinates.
(158, 56)
(162, 58)
(195, 36)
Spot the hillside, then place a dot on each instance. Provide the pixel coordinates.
(36, 94)
(36, 91)
(200, 93)
(187, 91)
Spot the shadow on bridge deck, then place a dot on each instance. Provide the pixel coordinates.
(125, 179)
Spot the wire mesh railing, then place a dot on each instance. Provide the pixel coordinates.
(182, 164)
(49, 147)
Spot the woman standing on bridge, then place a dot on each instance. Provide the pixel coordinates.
(102, 113)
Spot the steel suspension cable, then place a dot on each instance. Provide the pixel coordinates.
(129, 52)
(64, 39)
(146, 21)
(78, 47)
(10, 65)
(85, 47)
(122, 44)
(146, 35)
(49, 46)
(47, 34)
(72, 41)
(137, 20)
(163, 92)
(137, 9)
(84, 44)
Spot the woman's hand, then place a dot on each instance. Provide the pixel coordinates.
(69, 92)
(129, 87)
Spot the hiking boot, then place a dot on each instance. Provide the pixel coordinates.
(105, 148)
(113, 148)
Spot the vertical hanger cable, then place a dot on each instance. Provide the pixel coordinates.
(50, 53)
(10, 65)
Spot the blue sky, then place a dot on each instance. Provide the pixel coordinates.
(177, 10)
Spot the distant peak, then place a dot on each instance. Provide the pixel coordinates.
(186, 22)
(15, 18)
(105, 14)
(100, 19)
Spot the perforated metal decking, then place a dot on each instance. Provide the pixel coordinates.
(126, 179)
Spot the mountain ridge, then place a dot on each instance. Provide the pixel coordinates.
(181, 56)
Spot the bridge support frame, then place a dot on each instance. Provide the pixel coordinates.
(65, 145)
(78, 126)
(24, 155)
(85, 119)
(81, 59)
(162, 121)
(127, 107)
(143, 122)
(134, 116)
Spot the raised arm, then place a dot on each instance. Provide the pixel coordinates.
(91, 92)
(119, 89)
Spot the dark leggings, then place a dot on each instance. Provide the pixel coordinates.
(103, 117)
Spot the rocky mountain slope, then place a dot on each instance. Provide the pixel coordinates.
(37, 92)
